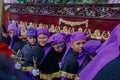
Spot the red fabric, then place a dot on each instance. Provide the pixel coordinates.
(4, 48)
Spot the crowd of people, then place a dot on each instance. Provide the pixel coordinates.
(36, 54)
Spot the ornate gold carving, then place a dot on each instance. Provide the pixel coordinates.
(70, 30)
(71, 23)
(40, 26)
(88, 31)
(65, 29)
(80, 29)
(35, 25)
(92, 36)
(30, 25)
(57, 28)
(52, 29)
(105, 35)
(25, 25)
(45, 25)
(97, 34)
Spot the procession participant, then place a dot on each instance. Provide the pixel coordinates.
(37, 52)
(89, 52)
(105, 65)
(70, 66)
(50, 65)
(31, 37)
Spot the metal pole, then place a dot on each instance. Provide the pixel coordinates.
(1, 12)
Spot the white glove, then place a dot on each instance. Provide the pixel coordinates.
(18, 65)
(35, 72)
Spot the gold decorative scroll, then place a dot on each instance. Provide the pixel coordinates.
(96, 34)
(71, 23)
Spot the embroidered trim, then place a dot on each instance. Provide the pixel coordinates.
(50, 76)
(27, 68)
(69, 75)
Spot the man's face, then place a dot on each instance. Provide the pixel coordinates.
(42, 39)
(77, 45)
(32, 40)
(59, 47)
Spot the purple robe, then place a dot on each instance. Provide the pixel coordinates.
(107, 52)
(90, 48)
(72, 38)
(26, 75)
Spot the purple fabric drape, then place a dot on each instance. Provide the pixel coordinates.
(107, 52)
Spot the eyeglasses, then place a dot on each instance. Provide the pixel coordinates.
(42, 37)
(59, 46)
